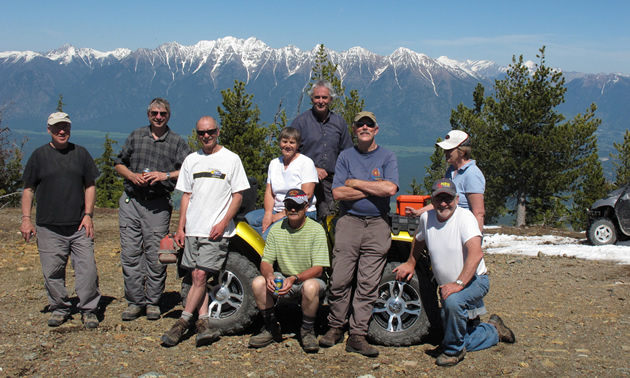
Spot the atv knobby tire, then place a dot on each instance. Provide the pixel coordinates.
(400, 316)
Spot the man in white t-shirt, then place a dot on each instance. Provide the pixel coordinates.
(452, 237)
(212, 180)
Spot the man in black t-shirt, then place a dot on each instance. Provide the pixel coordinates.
(61, 176)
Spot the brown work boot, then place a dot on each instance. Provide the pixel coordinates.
(174, 335)
(450, 360)
(505, 334)
(205, 333)
(268, 335)
(358, 344)
(308, 340)
(332, 337)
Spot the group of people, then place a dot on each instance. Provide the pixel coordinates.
(319, 166)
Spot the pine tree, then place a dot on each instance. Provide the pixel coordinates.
(10, 167)
(60, 104)
(242, 133)
(109, 185)
(436, 170)
(532, 159)
(621, 161)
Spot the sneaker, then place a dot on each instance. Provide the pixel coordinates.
(332, 337)
(358, 344)
(90, 320)
(266, 337)
(153, 312)
(205, 333)
(450, 360)
(505, 334)
(132, 312)
(57, 319)
(308, 340)
(174, 335)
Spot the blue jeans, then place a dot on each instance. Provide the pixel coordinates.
(455, 316)
(255, 219)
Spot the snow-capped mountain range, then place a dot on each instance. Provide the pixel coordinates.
(411, 93)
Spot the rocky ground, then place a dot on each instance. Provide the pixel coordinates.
(571, 318)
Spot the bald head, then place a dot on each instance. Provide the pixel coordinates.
(206, 122)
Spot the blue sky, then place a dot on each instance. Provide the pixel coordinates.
(580, 35)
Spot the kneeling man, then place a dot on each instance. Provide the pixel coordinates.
(299, 245)
(452, 236)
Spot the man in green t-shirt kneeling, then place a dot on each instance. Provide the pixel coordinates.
(299, 245)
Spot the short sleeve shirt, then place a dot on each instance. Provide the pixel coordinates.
(468, 179)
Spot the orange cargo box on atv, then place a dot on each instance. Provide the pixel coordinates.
(415, 201)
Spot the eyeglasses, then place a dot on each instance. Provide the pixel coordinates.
(56, 129)
(290, 205)
(210, 132)
(154, 113)
(446, 198)
(369, 124)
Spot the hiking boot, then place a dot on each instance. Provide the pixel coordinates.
(132, 312)
(450, 360)
(90, 320)
(308, 340)
(332, 337)
(266, 337)
(57, 319)
(153, 312)
(358, 344)
(205, 333)
(505, 334)
(174, 335)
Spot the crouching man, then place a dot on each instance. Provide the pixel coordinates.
(452, 237)
(299, 246)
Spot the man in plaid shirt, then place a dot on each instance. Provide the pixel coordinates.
(149, 162)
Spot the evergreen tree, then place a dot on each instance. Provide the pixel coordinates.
(242, 133)
(193, 142)
(60, 104)
(436, 170)
(531, 158)
(109, 185)
(621, 161)
(10, 167)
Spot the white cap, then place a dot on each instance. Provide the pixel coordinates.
(454, 139)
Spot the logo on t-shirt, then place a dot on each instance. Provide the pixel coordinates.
(377, 175)
(215, 173)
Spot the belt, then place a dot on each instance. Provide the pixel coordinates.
(364, 217)
(145, 198)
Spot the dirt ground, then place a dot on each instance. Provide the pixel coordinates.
(571, 318)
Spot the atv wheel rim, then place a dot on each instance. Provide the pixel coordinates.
(398, 306)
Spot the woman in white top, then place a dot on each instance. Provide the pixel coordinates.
(288, 171)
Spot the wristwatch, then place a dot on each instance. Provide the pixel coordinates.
(297, 280)
(168, 175)
(460, 283)
(91, 215)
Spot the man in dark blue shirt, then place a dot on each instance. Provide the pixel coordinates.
(324, 135)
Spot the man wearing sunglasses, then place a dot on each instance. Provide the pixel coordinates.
(149, 161)
(212, 181)
(452, 236)
(324, 135)
(299, 246)
(366, 177)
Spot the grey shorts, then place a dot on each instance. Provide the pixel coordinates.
(205, 254)
(295, 292)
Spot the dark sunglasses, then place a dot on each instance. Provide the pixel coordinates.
(154, 113)
(210, 132)
(294, 206)
(447, 199)
(369, 124)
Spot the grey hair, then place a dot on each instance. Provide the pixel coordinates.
(290, 133)
(322, 83)
(160, 103)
